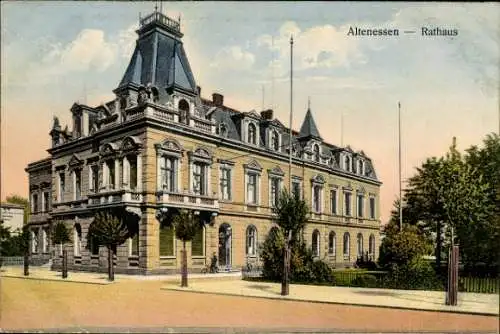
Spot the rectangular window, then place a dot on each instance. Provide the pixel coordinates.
(94, 170)
(252, 189)
(134, 245)
(317, 198)
(168, 172)
(296, 189)
(199, 178)
(35, 203)
(62, 186)
(166, 241)
(111, 174)
(46, 201)
(372, 207)
(78, 184)
(225, 183)
(197, 247)
(347, 203)
(275, 189)
(94, 247)
(133, 172)
(333, 200)
(360, 206)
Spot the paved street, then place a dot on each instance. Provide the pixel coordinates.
(38, 304)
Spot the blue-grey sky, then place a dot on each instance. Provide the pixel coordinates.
(56, 53)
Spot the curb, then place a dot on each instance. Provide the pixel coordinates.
(56, 280)
(332, 302)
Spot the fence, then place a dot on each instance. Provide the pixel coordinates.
(11, 261)
(381, 279)
(479, 284)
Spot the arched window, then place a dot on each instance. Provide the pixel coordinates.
(332, 243)
(347, 163)
(361, 167)
(184, 111)
(45, 240)
(316, 153)
(360, 245)
(315, 243)
(251, 241)
(371, 245)
(252, 133)
(274, 231)
(34, 241)
(77, 239)
(346, 245)
(275, 140)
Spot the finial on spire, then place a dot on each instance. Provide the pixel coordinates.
(309, 103)
(291, 39)
(156, 6)
(179, 19)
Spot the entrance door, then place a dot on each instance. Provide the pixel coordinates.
(225, 246)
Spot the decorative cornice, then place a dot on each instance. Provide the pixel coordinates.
(276, 170)
(254, 165)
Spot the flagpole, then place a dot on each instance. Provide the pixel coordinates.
(291, 116)
(400, 197)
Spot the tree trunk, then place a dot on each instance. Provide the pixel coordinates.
(26, 264)
(111, 271)
(184, 270)
(65, 264)
(438, 246)
(285, 283)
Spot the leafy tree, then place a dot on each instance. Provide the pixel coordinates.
(400, 247)
(291, 217)
(486, 232)
(185, 224)
(16, 199)
(446, 194)
(60, 234)
(109, 229)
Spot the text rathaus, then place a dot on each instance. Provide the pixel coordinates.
(159, 147)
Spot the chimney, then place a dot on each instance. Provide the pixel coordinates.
(218, 99)
(198, 88)
(267, 114)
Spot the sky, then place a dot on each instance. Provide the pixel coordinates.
(56, 53)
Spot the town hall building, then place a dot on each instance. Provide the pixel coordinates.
(159, 147)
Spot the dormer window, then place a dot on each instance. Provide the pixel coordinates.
(361, 167)
(316, 153)
(183, 107)
(78, 126)
(252, 134)
(275, 140)
(347, 163)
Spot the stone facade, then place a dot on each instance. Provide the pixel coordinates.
(159, 147)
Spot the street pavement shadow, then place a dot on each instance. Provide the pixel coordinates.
(263, 287)
(377, 293)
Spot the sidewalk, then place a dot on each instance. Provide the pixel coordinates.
(470, 303)
(44, 273)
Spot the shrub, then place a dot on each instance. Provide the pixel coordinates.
(303, 267)
(365, 281)
(416, 275)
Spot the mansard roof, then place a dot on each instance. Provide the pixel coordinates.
(159, 58)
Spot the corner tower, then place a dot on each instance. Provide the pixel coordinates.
(159, 69)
